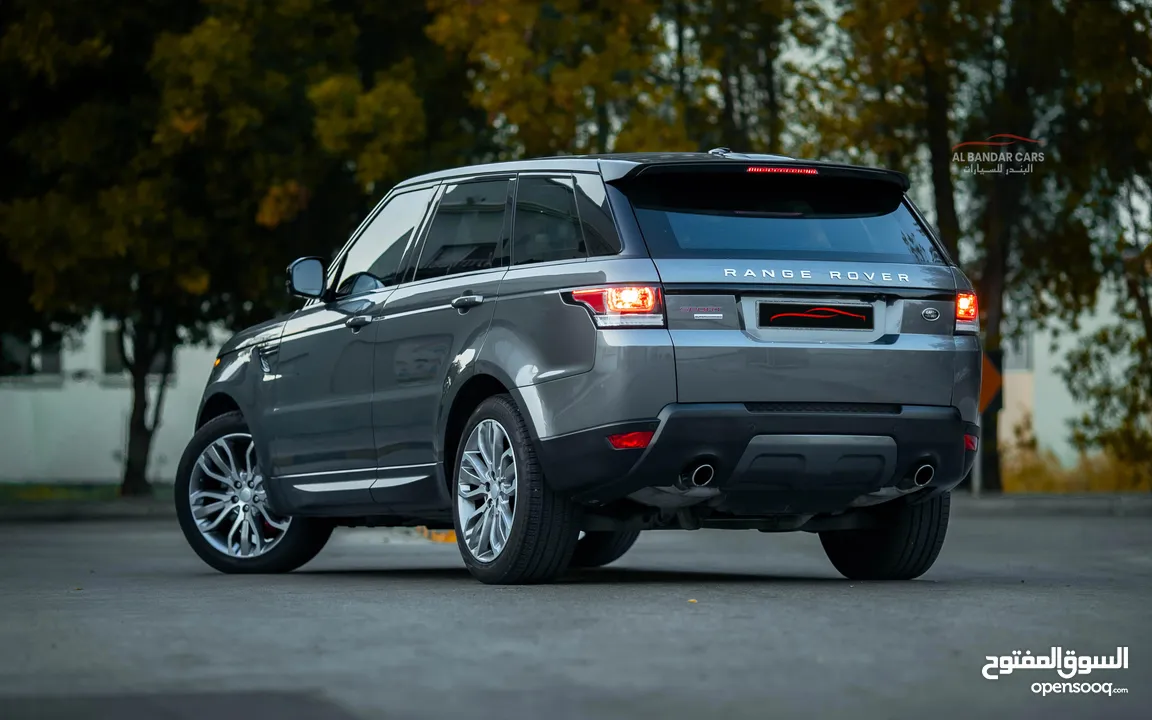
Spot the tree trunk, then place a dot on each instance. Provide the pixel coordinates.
(730, 132)
(147, 345)
(771, 81)
(937, 101)
(603, 124)
(135, 482)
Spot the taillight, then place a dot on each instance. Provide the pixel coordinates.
(971, 442)
(632, 440)
(967, 313)
(629, 306)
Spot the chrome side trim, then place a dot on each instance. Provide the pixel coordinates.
(396, 482)
(325, 472)
(364, 484)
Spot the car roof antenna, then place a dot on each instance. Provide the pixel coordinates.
(719, 151)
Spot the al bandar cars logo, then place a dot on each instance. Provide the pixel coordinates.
(1001, 154)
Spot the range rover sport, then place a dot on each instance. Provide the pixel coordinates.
(550, 356)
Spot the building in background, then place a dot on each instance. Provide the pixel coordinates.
(64, 410)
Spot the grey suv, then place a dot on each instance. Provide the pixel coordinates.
(552, 355)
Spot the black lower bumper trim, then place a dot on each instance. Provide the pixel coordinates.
(766, 462)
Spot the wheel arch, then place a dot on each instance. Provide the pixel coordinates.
(215, 405)
(475, 390)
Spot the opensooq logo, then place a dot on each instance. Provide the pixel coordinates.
(1065, 662)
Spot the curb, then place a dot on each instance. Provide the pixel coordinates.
(1054, 505)
(963, 504)
(93, 510)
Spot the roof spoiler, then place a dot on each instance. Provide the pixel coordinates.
(622, 172)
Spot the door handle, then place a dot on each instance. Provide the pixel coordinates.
(356, 322)
(464, 302)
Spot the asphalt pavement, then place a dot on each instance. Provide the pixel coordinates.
(120, 619)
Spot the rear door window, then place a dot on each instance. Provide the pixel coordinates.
(769, 217)
(547, 224)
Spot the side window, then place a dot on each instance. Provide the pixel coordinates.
(547, 225)
(596, 216)
(373, 261)
(466, 230)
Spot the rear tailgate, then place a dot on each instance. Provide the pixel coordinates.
(798, 288)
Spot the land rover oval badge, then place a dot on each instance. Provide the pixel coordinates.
(931, 314)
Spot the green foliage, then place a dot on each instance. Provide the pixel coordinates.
(557, 77)
(1108, 375)
(176, 155)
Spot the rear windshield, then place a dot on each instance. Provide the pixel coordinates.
(794, 217)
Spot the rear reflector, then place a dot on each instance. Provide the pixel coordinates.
(629, 306)
(632, 440)
(971, 442)
(775, 170)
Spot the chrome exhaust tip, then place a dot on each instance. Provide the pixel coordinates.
(696, 474)
(923, 475)
(702, 475)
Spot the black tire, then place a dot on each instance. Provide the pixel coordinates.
(545, 525)
(597, 549)
(304, 538)
(904, 547)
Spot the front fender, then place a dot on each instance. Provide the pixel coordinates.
(239, 382)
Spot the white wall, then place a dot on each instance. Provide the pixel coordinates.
(1054, 405)
(75, 429)
(1019, 397)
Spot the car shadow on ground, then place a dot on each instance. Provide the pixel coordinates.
(599, 576)
(175, 706)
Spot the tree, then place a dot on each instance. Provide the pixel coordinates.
(564, 76)
(1110, 371)
(742, 47)
(1048, 239)
(181, 151)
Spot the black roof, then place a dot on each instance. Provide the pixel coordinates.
(614, 166)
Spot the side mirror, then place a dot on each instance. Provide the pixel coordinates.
(306, 277)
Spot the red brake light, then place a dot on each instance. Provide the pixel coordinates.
(967, 314)
(776, 170)
(966, 308)
(632, 440)
(970, 443)
(629, 306)
(619, 299)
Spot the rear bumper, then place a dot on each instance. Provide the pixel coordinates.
(780, 458)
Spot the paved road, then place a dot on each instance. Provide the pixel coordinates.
(94, 615)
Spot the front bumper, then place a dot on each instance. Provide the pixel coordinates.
(775, 458)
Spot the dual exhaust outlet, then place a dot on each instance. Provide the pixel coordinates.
(701, 474)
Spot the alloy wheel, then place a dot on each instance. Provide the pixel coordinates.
(486, 490)
(229, 501)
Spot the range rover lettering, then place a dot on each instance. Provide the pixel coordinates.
(551, 356)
